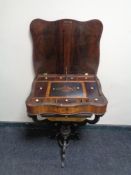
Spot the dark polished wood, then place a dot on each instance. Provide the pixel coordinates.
(66, 95)
(66, 46)
(66, 91)
(66, 60)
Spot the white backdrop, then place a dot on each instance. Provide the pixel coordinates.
(16, 73)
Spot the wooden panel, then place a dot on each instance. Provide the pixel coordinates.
(66, 46)
(66, 97)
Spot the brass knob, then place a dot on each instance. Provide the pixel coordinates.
(37, 100)
(66, 100)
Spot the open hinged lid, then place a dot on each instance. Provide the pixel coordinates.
(66, 46)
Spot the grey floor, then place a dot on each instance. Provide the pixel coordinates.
(27, 150)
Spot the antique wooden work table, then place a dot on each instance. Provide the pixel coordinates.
(66, 90)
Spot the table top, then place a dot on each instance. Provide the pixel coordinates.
(66, 91)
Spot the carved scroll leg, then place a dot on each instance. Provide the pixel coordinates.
(39, 119)
(63, 149)
(95, 120)
(63, 140)
(34, 118)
